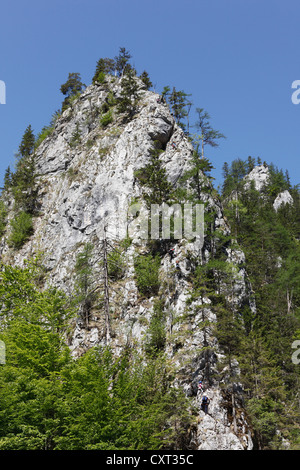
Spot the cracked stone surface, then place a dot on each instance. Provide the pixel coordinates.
(85, 186)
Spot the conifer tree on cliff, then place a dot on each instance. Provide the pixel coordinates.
(129, 96)
(71, 88)
(23, 180)
(208, 135)
(122, 64)
(103, 67)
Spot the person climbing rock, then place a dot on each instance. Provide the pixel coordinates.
(171, 253)
(200, 386)
(204, 404)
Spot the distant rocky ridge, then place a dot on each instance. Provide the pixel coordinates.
(260, 177)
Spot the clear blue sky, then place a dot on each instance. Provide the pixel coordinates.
(237, 58)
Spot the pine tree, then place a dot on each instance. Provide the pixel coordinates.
(208, 135)
(7, 179)
(250, 164)
(71, 88)
(122, 65)
(129, 96)
(179, 105)
(267, 239)
(233, 176)
(26, 146)
(165, 93)
(103, 67)
(24, 179)
(195, 181)
(154, 176)
(146, 80)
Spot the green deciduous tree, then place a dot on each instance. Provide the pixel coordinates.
(49, 401)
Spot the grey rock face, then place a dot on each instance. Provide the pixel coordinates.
(283, 198)
(90, 183)
(260, 175)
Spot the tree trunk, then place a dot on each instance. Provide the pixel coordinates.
(106, 290)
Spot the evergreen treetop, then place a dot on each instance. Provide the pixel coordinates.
(71, 88)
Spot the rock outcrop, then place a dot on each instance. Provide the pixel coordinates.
(283, 198)
(88, 183)
(259, 175)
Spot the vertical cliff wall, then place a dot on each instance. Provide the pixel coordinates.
(87, 181)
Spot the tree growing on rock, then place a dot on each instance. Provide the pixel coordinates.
(85, 284)
(103, 67)
(180, 106)
(23, 181)
(122, 64)
(129, 96)
(154, 176)
(71, 88)
(208, 135)
(146, 80)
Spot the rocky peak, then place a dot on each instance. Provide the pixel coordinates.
(283, 198)
(87, 181)
(260, 175)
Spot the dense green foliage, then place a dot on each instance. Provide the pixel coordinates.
(156, 334)
(116, 263)
(154, 177)
(270, 241)
(21, 229)
(50, 401)
(106, 119)
(147, 274)
(21, 186)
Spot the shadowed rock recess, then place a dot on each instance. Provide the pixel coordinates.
(88, 183)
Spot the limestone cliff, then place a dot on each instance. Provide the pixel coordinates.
(86, 179)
